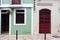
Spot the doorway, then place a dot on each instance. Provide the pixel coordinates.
(44, 21)
(4, 22)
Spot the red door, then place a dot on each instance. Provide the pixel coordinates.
(44, 21)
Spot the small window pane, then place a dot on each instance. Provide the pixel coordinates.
(19, 10)
(19, 17)
(4, 10)
(16, 1)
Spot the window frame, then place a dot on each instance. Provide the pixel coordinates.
(24, 16)
(16, 4)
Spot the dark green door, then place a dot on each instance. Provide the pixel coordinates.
(4, 22)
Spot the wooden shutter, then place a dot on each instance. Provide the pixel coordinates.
(16, 1)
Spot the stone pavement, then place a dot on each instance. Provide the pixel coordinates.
(25, 37)
(56, 39)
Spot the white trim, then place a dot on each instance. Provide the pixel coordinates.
(23, 5)
(32, 22)
(21, 1)
(10, 24)
(4, 5)
(0, 21)
(15, 16)
(25, 16)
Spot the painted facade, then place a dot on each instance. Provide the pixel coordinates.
(32, 29)
(54, 7)
(27, 5)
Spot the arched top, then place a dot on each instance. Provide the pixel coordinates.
(45, 21)
(45, 10)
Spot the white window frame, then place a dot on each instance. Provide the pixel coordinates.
(16, 4)
(24, 16)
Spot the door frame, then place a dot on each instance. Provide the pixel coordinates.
(9, 20)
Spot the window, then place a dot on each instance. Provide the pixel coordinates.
(16, 1)
(20, 17)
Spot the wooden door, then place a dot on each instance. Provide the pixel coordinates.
(4, 22)
(44, 21)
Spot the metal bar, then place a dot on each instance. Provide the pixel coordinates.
(34, 5)
(44, 33)
(45, 36)
(16, 34)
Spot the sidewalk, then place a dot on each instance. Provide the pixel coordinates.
(29, 37)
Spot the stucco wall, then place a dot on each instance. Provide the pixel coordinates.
(55, 20)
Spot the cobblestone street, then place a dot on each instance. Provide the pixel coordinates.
(29, 37)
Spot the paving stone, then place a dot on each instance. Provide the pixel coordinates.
(26, 37)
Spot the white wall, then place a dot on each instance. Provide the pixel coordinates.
(55, 16)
